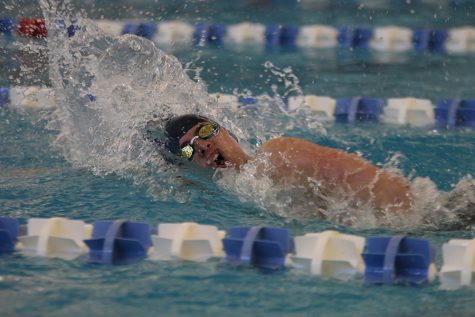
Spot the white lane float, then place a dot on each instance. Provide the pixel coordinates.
(459, 263)
(187, 241)
(32, 97)
(55, 237)
(391, 39)
(411, 111)
(317, 36)
(226, 100)
(245, 33)
(329, 254)
(442, 113)
(174, 33)
(113, 28)
(461, 40)
(322, 106)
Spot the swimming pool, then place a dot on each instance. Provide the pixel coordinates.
(43, 176)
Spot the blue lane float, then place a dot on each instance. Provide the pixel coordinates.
(354, 37)
(147, 30)
(216, 33)
(446, 114)
(351, 110)
(119, 242)
(400, 111)
(9, 228)
(385, 260)
(450, 113)
(432, 40)
(387, 38)
(211, 34)
(7, 27)
(262, 247)
(399, 259)
(281, 35)
(68, 25)
(4, 96)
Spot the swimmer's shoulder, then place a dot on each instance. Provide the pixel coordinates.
(293, 159)
(288, 143)
(304, 152)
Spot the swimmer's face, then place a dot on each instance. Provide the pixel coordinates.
(215, 150)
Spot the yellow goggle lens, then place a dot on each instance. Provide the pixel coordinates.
(187, 151)
(207, 131)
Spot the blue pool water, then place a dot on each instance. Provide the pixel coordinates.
(43, 176)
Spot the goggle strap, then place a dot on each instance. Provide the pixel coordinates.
(193, 139)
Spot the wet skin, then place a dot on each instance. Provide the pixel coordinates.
(297, 162)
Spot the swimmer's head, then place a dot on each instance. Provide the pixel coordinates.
(177, 127)
(201, 140)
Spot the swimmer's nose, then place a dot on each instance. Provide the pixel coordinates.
(201, 145)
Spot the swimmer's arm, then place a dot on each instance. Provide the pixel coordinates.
(337, 170)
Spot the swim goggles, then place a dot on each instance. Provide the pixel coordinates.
(205, 132)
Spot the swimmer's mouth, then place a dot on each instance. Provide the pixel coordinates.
(220, 161)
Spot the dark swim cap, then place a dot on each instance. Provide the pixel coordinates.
(177, 127)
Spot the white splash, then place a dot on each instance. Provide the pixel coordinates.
(107, 90)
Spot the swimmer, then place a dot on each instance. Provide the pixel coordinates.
(291, 162)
